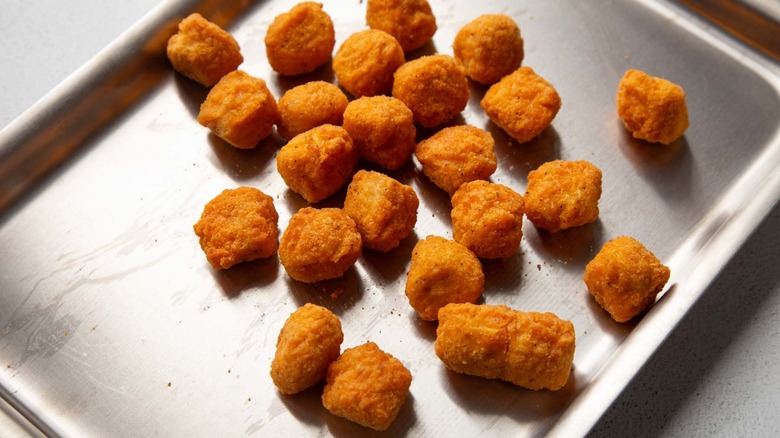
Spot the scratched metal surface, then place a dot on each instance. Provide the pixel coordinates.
(113, 323)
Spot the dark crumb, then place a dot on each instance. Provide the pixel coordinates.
(539, 267)
(94, 327)
(169, 384)
(249, 399)
(337, 293)
(229, 371)
(8, 366)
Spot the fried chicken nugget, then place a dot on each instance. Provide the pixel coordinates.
(310, 105)
(301, 40)
(384, 210)
(434, 87)
(457, 155)
(365, 62)
(625, 277)
(203, 51)
(240, 110)
(238, 225)
(488, 219)
(563, 194)
(382, 129)
(319, 244)
(528, 349)
(652, 109)
(411, 22)
(442, 271)
(367, 386)
(522, 103)
(317, 163)
(308, 343)
(489, 47)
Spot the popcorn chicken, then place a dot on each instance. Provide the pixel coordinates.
(382, 129)
(236, 226)
(365, 62)
(310, 105)
(308, 343)
(528, 349)
(489, 47)
(411, 22)
(367, 386)
(625, 277)
(301, 40)
(652, 109)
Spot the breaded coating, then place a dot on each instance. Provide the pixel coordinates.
(457, 155)
(237, 226)
(522, 103)
(411, 22)
(309, 105)
(382, 129)
(563, 194)
(488, 219)
(203, 51)
(365, 62)
(384, 210)
(625, 277)
(442, 271)
(434, 87)
(489, 47)
(529, 349)
(367, 386)
(301, 40)
(319, 244)
(308, 343)
(652, 109)
(317, 163)
(240, 109)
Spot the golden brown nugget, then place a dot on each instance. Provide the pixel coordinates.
(529, 349)
(489, 47)
(240, 110)
(625, 277)
(365, 62)
(434, 87)
(384, 210)
(310, 105)
(319, 244)
(522, 103)
(301, 40)
(317, 163)
(563, 194)
(652, 109)
(367, 386)
(308, 343)
(203, 51)
(238, 225)
(382, 129)
(411, 22)
(457, 155)
(442, 271)
(487, 218)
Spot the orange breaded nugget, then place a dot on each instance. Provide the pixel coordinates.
(411, 22)
(434, 87)
(203, 51)
(319, 244)
(625, 277)
(382, 129)
(365, 62)
(489, 47)
(367, 386)
(528, 349)
(522, 104)
(652, 109)
(317, 163)
(384, 210)
(457, 155)
(309, 341)
(240, 110)
(301, 40)
(563, 194)
(442, 271)
(309, 105)
(238, 225)
(488, 219)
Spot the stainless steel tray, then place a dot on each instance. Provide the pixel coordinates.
(112, 323)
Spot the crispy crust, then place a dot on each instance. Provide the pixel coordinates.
(411, 22)
(651, 108)
(310, 105)
(365, 62)
(489, 47)
(301, 40)
(382, 129)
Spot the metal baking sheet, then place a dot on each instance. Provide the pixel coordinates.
(113, 324)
